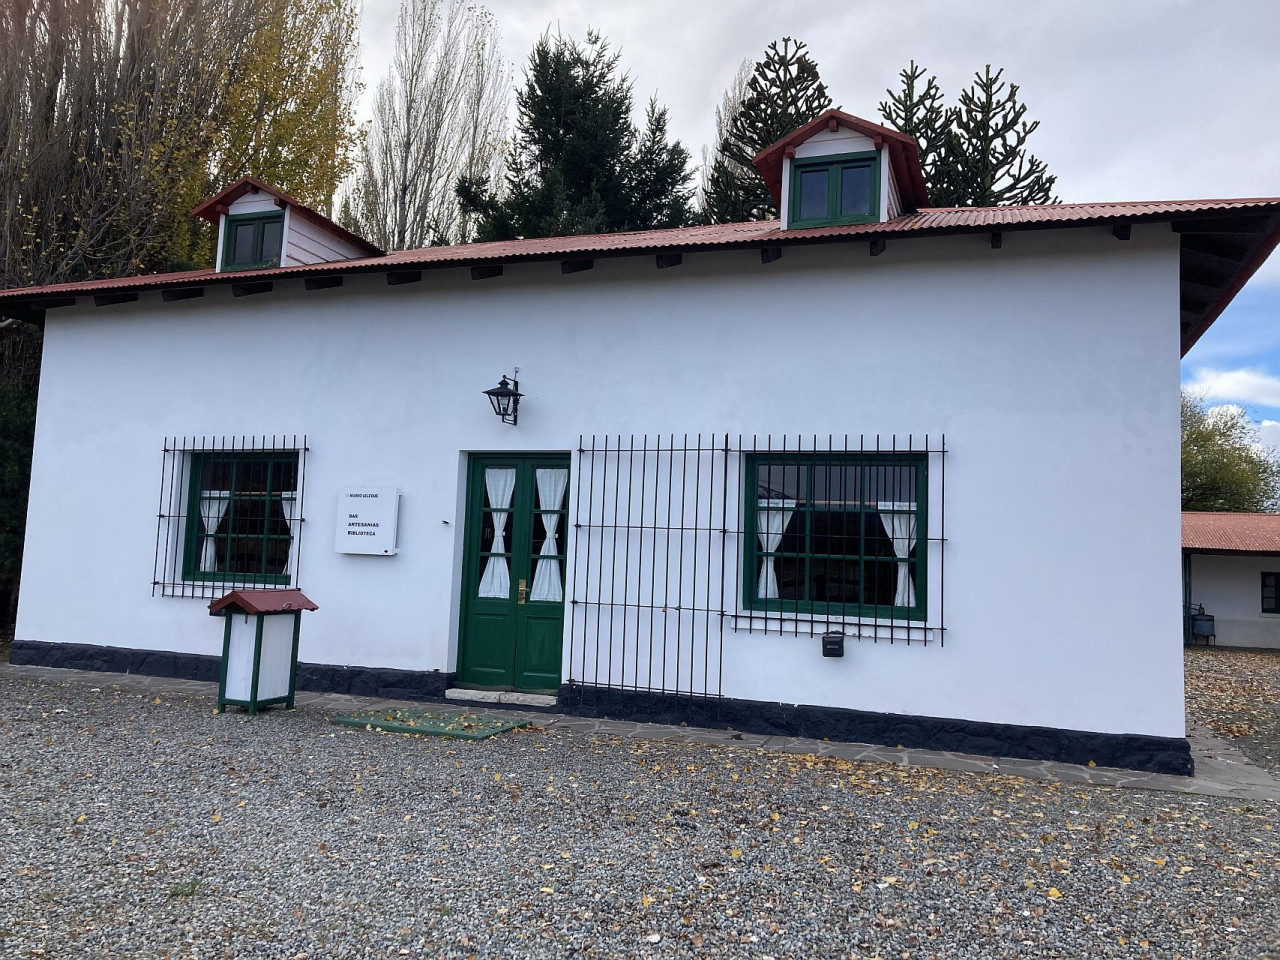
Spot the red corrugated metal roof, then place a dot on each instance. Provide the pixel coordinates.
(1199, 307)
(1231, 532)
(263, 601)
(716, 236)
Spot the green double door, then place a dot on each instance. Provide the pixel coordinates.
(513, 572)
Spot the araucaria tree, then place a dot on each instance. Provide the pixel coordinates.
(1224, 464)
(440, 116)
(782, 93)
(578, 164)
(974, 154)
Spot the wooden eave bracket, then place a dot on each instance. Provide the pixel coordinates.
(576, 266)
(770, 254)
(322, 283)
(181, 293)
(877, 247)
(486, 271)
(106, 299)
(997, 240)
(397, 277)
(665, 260)
(1122, 231)
(250, 288)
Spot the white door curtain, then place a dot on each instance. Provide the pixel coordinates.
(546, 578)
(901, 528)
(213, 507)
(499, 483)
(772, 517)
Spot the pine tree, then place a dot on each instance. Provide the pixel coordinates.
(974, 153)
(578, 164)
(784, 93)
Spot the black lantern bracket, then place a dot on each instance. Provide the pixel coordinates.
(505, 398)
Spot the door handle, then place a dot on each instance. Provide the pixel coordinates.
(522, 592)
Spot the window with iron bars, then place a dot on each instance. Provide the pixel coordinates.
(673, 534)
(230, 514)
(836, 533)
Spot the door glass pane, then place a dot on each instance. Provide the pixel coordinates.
(548, 534)
(813, 194)
(855, 191)
(242, 243)
(272, 234)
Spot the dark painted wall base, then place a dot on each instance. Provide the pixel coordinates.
(1128, 751)
(380, 682)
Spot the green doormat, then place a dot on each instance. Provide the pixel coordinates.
(431, 723)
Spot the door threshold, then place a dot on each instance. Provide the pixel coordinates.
(512, 697)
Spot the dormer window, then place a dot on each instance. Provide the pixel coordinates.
(835, 189)
(253, 241)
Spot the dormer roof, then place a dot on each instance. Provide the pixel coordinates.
(904, 155)
(217, 205)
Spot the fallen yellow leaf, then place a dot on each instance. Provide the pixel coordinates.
(735, 853)
(1054, 893)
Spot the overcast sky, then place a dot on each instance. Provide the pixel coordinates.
(1137, 99)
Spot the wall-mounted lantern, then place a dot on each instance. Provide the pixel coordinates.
(505, 398)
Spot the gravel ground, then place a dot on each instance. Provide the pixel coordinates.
(1236, 693)
(134, 826)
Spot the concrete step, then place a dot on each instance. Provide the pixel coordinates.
(508, 697)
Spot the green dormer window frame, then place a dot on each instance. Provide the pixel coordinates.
(852, 190)
(252, 241)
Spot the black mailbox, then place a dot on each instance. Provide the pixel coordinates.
(833, 644)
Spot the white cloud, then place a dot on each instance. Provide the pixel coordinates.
(1246, 386)
(1269, 433)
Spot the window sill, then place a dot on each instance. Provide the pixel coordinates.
(786, 624)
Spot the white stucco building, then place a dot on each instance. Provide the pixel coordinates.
(1231, 572)
(922, 430)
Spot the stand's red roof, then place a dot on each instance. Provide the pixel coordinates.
(263, 601)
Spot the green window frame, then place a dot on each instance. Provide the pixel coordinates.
(833, 538)
(264, 249)
(834, 167)
(1271, 593)
(241, 516)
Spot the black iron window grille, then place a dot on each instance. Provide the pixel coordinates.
(683, 539)
(230, 515)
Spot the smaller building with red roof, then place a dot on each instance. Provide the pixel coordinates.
(1231, 572)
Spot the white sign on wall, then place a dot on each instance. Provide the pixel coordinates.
(367, 520)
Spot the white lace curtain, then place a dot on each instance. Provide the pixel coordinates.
(901, 528)
(499, 483)
(546, 577)
(287, 505)
(213, 507)
(771, 519)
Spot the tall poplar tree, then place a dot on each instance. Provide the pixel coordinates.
(578, 164)
(783, 92)
(974, 153)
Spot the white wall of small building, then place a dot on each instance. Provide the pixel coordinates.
(1051, 366)
(1230, 588)
(308, 242)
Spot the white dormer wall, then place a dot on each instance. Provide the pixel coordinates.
(824, 143)
(307, 242)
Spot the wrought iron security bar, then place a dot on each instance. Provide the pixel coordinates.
(230, 514)
(682, 539)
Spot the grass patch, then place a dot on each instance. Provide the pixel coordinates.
(188, 888)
